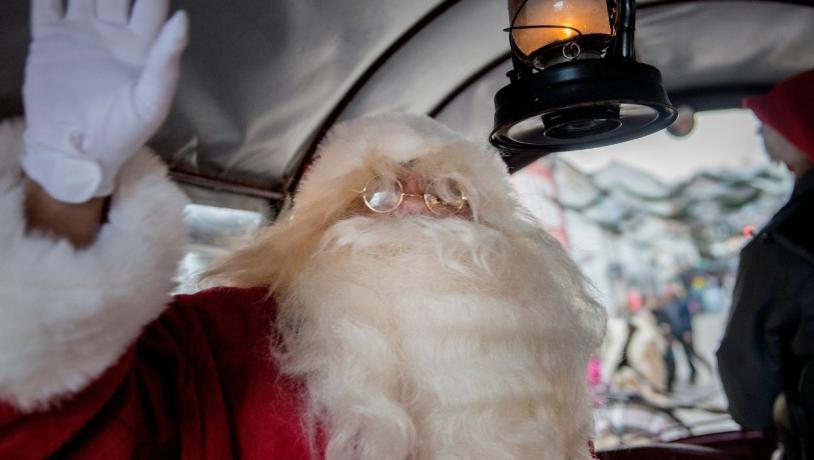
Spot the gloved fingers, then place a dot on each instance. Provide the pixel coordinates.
(81, 9)
(148, 17)
(44, 12)
(156, 85)
(113, 11)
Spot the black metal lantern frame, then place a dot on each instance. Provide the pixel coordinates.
(579, 93)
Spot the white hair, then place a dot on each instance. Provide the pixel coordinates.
(419, 337)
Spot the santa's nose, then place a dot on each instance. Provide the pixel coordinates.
(414, 195)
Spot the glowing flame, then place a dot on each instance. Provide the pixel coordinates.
(567, 31)
(563, 18)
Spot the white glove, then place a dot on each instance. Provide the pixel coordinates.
(98, 83)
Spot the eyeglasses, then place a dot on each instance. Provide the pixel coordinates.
(384, 194)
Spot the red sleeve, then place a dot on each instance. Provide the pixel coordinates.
(198, 383)
(43, 434)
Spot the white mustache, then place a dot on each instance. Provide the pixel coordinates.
(452, 240)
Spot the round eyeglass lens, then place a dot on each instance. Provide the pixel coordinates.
(382, 194)
(445, 196)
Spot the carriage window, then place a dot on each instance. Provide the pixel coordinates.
(213, 231)
(657, 224)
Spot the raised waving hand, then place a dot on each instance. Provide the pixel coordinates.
(99, 81)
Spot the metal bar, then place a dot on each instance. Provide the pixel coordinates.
(218, 185)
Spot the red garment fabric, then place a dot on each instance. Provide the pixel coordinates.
(199, 383)
(789, 108)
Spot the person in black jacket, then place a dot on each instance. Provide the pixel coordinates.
(768, 347)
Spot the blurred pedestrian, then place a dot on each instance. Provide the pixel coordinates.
(674, 312)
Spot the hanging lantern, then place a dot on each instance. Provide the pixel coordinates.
(575, 83)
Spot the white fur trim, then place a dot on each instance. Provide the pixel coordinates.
(67, 315)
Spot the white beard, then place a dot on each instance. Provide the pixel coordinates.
(425, 338)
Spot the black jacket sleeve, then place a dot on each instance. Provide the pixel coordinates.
(750, 357)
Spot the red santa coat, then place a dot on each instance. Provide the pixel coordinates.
(198, 383)
(87, 334)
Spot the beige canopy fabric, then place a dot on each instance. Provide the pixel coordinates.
(262, 80)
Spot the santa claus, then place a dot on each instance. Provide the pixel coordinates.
(407, 307)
